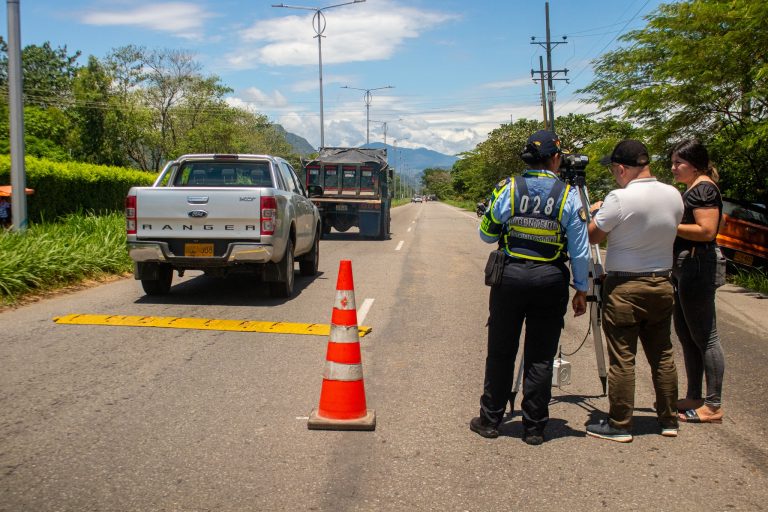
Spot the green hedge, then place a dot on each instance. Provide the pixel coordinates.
(62, 188)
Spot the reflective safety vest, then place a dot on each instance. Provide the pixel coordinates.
(534, 231)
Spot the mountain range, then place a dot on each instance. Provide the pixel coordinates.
(409, 161)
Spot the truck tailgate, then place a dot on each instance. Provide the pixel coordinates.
(206, 212)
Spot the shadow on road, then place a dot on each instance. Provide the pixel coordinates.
(235, 290)
(644, 420)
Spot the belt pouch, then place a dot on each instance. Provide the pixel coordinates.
(719, 268)
(494, 269)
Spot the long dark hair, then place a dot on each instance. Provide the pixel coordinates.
(694, 152)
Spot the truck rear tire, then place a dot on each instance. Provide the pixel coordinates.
(284, 289)
(310, 262)
(162, 284)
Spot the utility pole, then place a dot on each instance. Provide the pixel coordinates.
(551, 73)
(543, 92)
(16, 104)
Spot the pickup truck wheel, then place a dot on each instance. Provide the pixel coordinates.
(159, 286)
(283, 289)
(309, 264)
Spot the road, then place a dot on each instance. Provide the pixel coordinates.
(129, 418)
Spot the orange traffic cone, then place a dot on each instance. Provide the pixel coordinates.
(342, 398)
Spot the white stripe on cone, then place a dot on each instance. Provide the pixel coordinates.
(345, 299)
(341, 371)
(344, 334)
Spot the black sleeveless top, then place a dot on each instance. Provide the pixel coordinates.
(705, 194)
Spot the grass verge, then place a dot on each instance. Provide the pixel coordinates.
(464, 204)
(755, 279)
(53, 255)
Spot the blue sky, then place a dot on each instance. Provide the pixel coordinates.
(459, 68)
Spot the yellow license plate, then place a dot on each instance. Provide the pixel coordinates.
(198, 250)
(744, 259)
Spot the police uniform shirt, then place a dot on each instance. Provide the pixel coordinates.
(573, 221)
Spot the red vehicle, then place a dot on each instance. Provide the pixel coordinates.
(743, 235)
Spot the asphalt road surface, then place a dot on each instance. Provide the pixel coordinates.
(132, 418)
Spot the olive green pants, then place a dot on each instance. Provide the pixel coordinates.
(639, 307)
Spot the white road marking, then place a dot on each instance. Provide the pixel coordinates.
(302, 417)
(362, 311)
(399, 245)
(409, 230)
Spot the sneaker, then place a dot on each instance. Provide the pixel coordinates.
(604, 430)
(669, 431)
(479, 426)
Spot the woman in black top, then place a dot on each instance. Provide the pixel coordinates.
(694, 280)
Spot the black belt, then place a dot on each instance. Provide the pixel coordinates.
(657, 273)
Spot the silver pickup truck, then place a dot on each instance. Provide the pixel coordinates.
(223, 214)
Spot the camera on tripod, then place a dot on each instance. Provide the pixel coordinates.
(573, 168)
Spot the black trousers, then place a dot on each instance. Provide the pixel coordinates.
(537, 294)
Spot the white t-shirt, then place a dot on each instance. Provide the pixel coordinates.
(641, 221)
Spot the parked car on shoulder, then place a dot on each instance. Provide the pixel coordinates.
(743, 235)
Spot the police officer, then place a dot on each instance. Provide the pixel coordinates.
(538, 222)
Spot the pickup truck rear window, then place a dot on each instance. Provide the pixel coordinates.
(224, 174)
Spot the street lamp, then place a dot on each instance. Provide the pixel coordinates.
(384, 125)
(367, 97)
(318, 23)
(399, 158)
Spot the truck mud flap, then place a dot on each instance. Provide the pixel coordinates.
(370, 223)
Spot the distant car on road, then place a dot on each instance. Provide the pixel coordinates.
(743, 235)
(416, 199)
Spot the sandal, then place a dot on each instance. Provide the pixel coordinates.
(692, 416)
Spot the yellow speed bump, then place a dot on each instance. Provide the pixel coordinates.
(205, 324)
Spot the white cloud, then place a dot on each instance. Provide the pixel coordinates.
(312, 84)
(183, 19)
(509, 84)
(363, 32)
(262, 99)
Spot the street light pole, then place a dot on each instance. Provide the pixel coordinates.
(318, 23)
(20, 222)
(368, 98)
(384, 125)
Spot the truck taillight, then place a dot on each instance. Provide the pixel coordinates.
(268, 214)
(130, 214)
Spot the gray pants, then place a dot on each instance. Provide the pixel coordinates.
(696, 323)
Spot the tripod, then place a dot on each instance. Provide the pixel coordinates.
(577, 179)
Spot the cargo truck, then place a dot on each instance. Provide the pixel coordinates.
(355, 189)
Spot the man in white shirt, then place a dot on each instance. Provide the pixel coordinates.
(640, 222)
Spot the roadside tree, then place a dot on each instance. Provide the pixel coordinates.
(698, 68)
